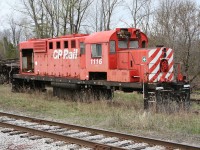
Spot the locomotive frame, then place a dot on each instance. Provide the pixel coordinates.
(177, 92)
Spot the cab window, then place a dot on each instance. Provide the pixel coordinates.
(65, 44)
(112, 47)
(134, 44)
(58, 44)
(73, 44)
(82, 47)
(50, 45)
(123, 44)
(96, 50)
(143, 44)
(128, 44)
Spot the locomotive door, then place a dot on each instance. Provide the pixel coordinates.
(27, 57)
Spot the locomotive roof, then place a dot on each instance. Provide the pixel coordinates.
(99, 37)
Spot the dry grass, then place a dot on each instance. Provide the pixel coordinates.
(123, 114)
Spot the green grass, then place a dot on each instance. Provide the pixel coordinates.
(125, 114)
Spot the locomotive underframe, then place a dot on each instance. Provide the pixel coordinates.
(167, 96)
(159, 95)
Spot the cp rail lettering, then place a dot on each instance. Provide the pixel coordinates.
(65, 54)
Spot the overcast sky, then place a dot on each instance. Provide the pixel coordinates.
(5, 6)
(8, 8)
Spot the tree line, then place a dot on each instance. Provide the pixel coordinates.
(172, 23)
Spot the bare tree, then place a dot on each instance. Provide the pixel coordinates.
(77, 12)
(33, 9)
(64, 15)
(189, 27)
(50, 12)
(108, 7)
(177, 26)
(71, 14)
(53, 17)
(15, 30)
(94, 19)
(165, 23)
(101, 14)
(140, 11)
(81, 13)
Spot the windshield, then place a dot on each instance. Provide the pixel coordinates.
(134, 44)
(127, 44)
(123, 44)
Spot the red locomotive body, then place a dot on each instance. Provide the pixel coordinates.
(104, 61)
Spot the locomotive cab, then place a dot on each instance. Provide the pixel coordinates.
(125, 54)
(111, 57)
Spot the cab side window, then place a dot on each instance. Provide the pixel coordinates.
(82, 47)
(50, 45)
(73, 44)
(96, 50)
(134, 44)
(143, 44)
(112, 47)
(122, 44)
(65, 44)
(58, 44)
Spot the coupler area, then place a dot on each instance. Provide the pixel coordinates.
(167, 97)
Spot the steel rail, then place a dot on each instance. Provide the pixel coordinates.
(60, 137)
(197, 101)
(150, 141)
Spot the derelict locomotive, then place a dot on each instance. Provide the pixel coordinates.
(100, 63)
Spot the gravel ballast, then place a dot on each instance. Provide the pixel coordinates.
(17, 143)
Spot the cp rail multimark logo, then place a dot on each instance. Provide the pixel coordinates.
(144, 59)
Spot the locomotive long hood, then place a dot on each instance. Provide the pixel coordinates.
(153, 65)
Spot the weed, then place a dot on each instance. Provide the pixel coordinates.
(124, 113)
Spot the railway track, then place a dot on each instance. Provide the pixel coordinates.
(193, 100)
(81, 137)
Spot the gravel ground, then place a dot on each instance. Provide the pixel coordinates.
(14, 142)
(17, 143)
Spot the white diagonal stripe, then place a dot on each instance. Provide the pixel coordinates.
(151, 52)
(169, 51)
(156, 69)
(170, 59)
(155, 59)
(151, 76)
(169, 72)
(154, 72)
